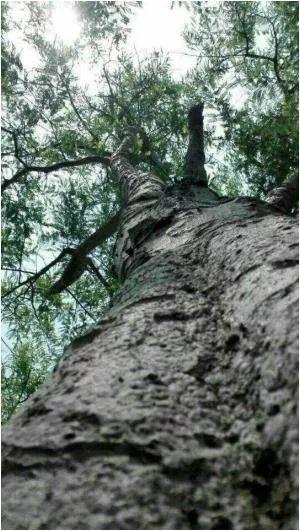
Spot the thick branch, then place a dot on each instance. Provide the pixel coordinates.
(80, 260)
(137, 186)
(286, 195)
(274, 60)
(195, 156)
(92, 159)
(120, 159)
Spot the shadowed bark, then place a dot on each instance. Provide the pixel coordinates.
(177, 411)
(195, 157)
(285, 196)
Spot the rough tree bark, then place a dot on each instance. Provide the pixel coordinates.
(178, 410)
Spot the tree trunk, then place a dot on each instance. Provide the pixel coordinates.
(177, 411)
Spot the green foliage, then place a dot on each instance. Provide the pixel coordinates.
(21, 376)
(10, 60)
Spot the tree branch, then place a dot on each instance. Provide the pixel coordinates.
(121, 159)
(115, 99)
(79, 260)
(285, 196)
(8, 347)
(17, 270)
(92, 159)
(81, 305)
(16, 145)
(42, 271)
(80, 118)
(253, 55)
(96, 271)
(195, 156)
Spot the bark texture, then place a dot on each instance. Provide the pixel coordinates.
(195, 157)
(286, 196)
(178, 410)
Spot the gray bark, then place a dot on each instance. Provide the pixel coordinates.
(195, 157)
(177, 411)
(286, 196)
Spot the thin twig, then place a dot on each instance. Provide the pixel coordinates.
(81, 305)
(42, 271)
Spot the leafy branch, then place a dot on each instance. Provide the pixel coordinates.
(79, 262)
(19, 175)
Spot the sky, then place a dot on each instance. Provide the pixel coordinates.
(153, 26)
(157, 26)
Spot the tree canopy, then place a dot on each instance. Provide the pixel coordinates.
(65, 110)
